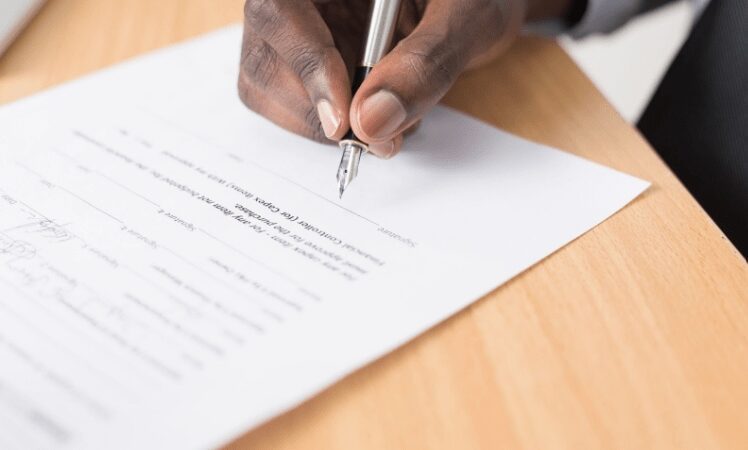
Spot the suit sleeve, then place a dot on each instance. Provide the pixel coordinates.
(604, 16)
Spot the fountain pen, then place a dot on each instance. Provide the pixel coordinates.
(382, 22)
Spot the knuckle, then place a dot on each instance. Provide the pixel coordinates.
(259, 63)
(260, 14)
(309, 62)
(432, 60)
(258, 69)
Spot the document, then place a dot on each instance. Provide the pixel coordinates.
(175, 270)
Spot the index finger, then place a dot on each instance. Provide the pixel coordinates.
(302, 39)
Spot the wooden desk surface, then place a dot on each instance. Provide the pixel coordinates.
(634, 336)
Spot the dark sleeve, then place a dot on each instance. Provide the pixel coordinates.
(604, 16)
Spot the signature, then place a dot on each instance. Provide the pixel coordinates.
(16, 248)
(45, 228)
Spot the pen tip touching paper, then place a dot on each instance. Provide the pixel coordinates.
(348, 168)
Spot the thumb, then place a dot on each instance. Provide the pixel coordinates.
(419, 71)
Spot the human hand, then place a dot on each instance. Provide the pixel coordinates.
(298, 55)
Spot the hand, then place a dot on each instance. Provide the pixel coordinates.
(298, 55)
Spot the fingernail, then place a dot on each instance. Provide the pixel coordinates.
(381, 115)
(328, 117)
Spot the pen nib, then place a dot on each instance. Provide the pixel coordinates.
(348, 169)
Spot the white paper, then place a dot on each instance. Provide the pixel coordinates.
(175, 270)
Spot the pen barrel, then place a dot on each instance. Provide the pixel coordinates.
(382, 24)
(358, 79)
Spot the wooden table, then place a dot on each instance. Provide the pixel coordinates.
(634, 336)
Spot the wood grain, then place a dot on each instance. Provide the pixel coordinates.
(633, 336)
